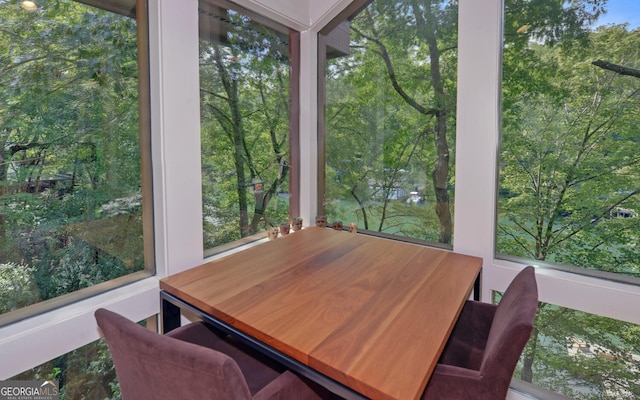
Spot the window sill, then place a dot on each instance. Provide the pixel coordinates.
(28, 342)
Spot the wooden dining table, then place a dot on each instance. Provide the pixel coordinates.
(364, 316)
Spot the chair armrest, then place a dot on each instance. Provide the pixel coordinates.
(196, 333)
(289, 386)
(451, 382)
(453, 372)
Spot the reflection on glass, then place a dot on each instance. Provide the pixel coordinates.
(244, 105)
(389, 119)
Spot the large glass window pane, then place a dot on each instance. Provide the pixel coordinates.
(570, 155)
(389, 119)
(580, 355)
(70, 170)
(84, 373)
(568, 183)
(245, 135)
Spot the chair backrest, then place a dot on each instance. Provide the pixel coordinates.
(511, 328)
(152, 366)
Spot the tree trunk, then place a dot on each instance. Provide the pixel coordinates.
(279, 158)
(362, 207)
(230, 84)
(426, 27)
(238, 151)
(3, 165)
(527, 366)
(440, 172)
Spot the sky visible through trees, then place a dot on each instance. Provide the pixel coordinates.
(621, 11)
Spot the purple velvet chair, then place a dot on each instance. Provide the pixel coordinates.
(193, 362)
(485, 345)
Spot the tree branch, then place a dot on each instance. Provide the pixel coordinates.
(618, 69)
(392, 74)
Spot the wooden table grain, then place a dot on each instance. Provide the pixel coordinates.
(370, 313)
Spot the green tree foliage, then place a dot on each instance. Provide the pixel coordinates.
(389, 115)
(82, 374)
(569, 182)
(69, 144)
(570, 160)
(244, 78)
(61, 92)
(70, 209)
(17, 287)
(581, 355)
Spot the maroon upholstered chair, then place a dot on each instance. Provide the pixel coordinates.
(485, 345)
(193, 362)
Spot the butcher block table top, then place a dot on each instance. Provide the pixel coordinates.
(371, 313)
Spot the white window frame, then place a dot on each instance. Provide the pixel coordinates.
(175, 126)
(477, 146)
